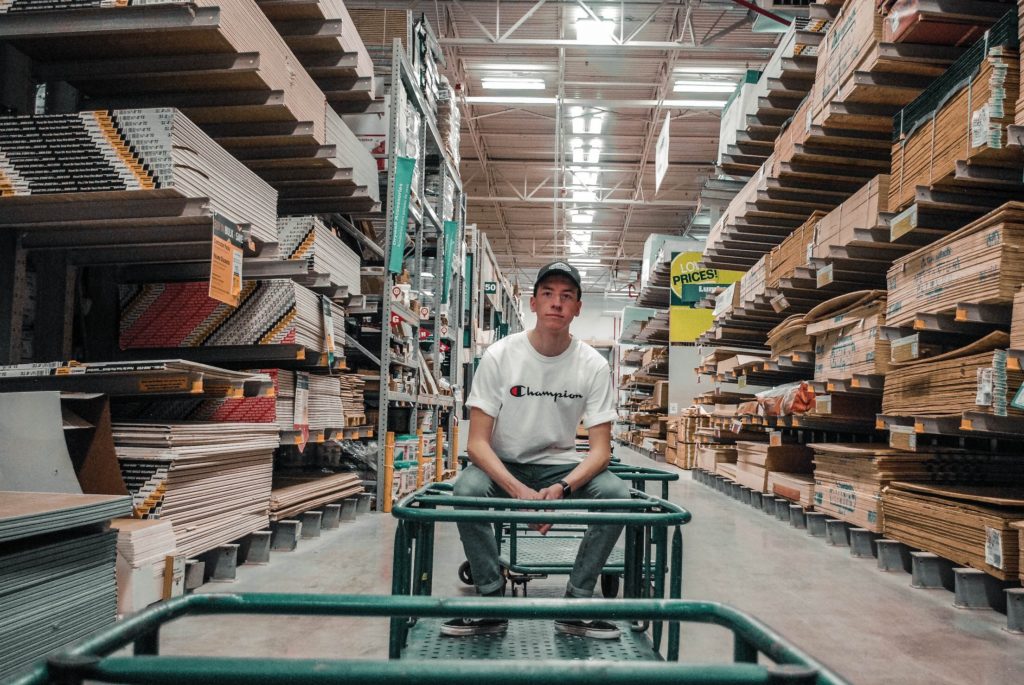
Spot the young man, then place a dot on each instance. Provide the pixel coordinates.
(529, 394)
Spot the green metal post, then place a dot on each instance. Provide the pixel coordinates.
(148, 644)
(675, 590)
(743, 651)
(399, 586)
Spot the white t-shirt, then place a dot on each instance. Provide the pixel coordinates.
(537, 402)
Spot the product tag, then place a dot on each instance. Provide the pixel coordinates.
(985, 395)
(993, 547)
(328, 316)
(302, 407)
(226, 263)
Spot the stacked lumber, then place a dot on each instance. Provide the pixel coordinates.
(276, 312)
(982, 263)
(969, 525)
(210, 480)
(790, 337)
(352, 400)
(294, 494)
(142, 551)
(710, 455)
(973, 378)
(755, 460)
(846, 336)
(149, 152)
(849, 478)
(796, 487)
(956, 121)
(861, 212)
(726, 470)
(325, 409)
(754, 283)
(57, 579)
(690, 422)
(791, 252)
(1017, 323)
(308, 238)
(940, 22)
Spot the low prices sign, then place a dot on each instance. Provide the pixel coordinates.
(690, 284)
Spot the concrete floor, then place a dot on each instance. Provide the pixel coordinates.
(869, 626)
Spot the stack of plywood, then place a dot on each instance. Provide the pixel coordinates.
(862, 211)
(969, 125)
(982, 263)
(755, 460)
(325, 409)
(352, 400)
(849, 478)
(142, 551)
(294, 494)
(790, 337)
(846, 336)
(308, 238)
(1017, 324)
(710, 455)
(973, 378)
(796, 487)
(935, 22)
(211, 481)
(969, 525)
(791, 252)
(754, 282)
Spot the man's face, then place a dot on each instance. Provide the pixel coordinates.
(556, 303)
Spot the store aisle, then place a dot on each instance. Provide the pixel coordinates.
(871, 627)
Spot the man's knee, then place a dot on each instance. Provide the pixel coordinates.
(473, 482)
(606, 485)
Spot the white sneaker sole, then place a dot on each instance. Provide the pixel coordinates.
(454, 631)
(586, 631)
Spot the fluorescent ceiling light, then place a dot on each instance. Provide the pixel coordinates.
(575, 143)
(592, 31)
(513, 83)
(596, 142)
(584, 260)
(584, 196)
(596, 122)
(695, 104)
(515, 67)
(710, 70)
(582, 218)
(593, 155)
(579, 125)
(579, 156)
(703, 87)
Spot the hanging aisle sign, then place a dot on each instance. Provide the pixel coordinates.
(400, 219)
(451, 232)
(690, 284)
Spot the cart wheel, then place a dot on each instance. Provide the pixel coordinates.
(610, 585)
(465, 573)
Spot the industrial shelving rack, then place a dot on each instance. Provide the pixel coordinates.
(441, 329)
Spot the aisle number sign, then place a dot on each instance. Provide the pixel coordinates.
(690, 284)
(490, 287)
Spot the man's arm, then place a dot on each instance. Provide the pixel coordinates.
(481, 425)
(596, 461)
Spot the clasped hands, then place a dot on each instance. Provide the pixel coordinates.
(551, 492)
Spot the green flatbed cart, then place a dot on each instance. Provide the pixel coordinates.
(562, 659)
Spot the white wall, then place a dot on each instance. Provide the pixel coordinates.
(592, 322)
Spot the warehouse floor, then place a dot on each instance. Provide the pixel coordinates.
(870, 626)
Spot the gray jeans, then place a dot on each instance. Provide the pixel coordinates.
(482, 549)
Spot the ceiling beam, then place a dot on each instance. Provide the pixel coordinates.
(512, 199)
(684, 51)
(702, 102)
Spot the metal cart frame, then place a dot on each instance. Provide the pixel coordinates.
(90, 658)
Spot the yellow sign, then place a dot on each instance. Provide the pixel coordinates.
(226, 263)
(691, 283)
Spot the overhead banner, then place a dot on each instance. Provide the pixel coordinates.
(451, 232)
(661, 154)
(400, 220)
(690, 284)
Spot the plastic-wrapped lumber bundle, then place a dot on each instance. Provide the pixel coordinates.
(846, 336)
(132, 150)
(935, 22)
(210, 480)
(968, 525)
(276, 312)
(982, 263)
(974, 378)
(962, 117)
(307, 237)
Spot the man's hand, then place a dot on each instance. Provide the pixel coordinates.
(521, 491)
(550, 492)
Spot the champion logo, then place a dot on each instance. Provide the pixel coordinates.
(555, 395)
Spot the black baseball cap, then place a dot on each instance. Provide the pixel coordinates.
(559, 269)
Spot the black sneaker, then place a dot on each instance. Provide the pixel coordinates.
(599, 630)
(461, 627)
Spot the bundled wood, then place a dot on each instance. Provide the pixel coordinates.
(142, 551)
(151, 152)
(352, 399)
(969, 525)
(861, 212)
(796, 487)
(726, 470)
(982, 263)
(211, 481)
(846, 336)
(277, 312)
(790, 337)
(325, 410)
(1019, 527)
(973, 378)
(754, 281)
(294, 494)
(709, 456)
(968, 123)
(756, 459)
(1017, 324)
(940, 22)
(849, 478)
(791, 252)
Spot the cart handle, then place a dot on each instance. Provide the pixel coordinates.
(84, 660)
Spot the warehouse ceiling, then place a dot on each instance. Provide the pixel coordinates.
(562, 105)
